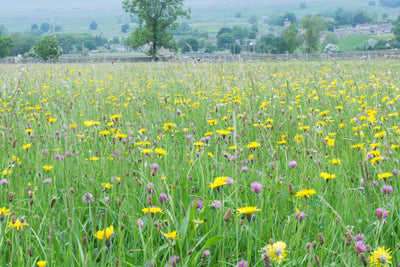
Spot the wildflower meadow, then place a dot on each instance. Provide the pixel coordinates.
(292, 163)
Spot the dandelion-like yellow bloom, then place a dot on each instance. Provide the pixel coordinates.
(218, 181)
(380, 257)
(336, 161)
(120, 135)
(27, 146)
(199, 144)
(73, 126)
(6, 172)
(94, 158)
(147, 151)
(212, 122)
(4, 211)
(327, 176)
(152, 210)
(17, 225)
(51, 119)
(380, 134)
(88, 123)
(106, 185)
(108, 233)
(105, 132)
(223, 132)
(41, 263)
(277, 251)
(160, 151)
(253, 145)
(172, 235)
(247, 210)
(305, 193)
(47, 167)
(331, 142)
(210, 155)
(115, 117)
(384, 175)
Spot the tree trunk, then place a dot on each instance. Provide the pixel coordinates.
(154, 52)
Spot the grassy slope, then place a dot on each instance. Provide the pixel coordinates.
(207, 15)
(352, 42)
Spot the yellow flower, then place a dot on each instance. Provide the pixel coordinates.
(380, 257)
(336, 161)
(104, 133)
(172, 235)
(18, 224)
(73, 126)
(199, 144)
(147, 151)
(152, 210)
(305, 193)
(47, 167)
(51, 119)
(212, 122)
(27, 146)
(6, 172)
(94, 158)
(115, 117)
(253, 145)
(41, 263)
(210, 155)
(218, 181)
(106, 185)
(247, 210)
(88, 123)
(327, 176)
(223, 132)
(277, 251)
(384, 175)
(4, 211)
(331, 142)
(160, 151)
(120, 135)
(108, 231)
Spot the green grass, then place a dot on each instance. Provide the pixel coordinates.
(352, 42)
(311, 112)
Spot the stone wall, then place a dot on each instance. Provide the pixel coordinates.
(208, 58)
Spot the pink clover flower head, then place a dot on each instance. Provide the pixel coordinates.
(256, 187)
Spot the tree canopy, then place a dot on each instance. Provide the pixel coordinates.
(6, 44)
(156, 21)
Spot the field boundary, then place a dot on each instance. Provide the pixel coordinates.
(208, 58)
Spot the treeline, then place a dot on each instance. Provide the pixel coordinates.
(21, 44)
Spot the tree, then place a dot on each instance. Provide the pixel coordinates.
(331, 48)
(45, 27)
(34, 27)
(47, 48)
(22, 43)
(224, 30)
(330, 38)
(313, 26)
(235, 48)
(291, 38)
(370, 44)
(188, 45)
(6, 44)
(390, 3)
(93, 25)
(125, 28)
(396, 31)
(238, 33)
(58, 28)
(156, 20)
(209, 47)
(253, 20)
(225, 40)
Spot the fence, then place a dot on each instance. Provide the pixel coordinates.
(208, 58)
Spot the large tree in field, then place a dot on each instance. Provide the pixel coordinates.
(156, 21)
(312, 27)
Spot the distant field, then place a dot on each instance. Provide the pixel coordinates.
(207, 15)
(352, 42)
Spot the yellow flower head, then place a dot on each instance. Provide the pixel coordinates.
(4, 211)
(108, 233)
(152, 210)
(223, 132)
(199, 144)
(17, 225)
(94, 158)
(218, 181)
(253, 145)
(27, 146)
(160, 151)
(147, 151)
(327, 176)
(380, 257)
(47, 167)
(305, 193)
(172, 235)
(247, 210)
(384, 175)
(41, 263)
(277, 251)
